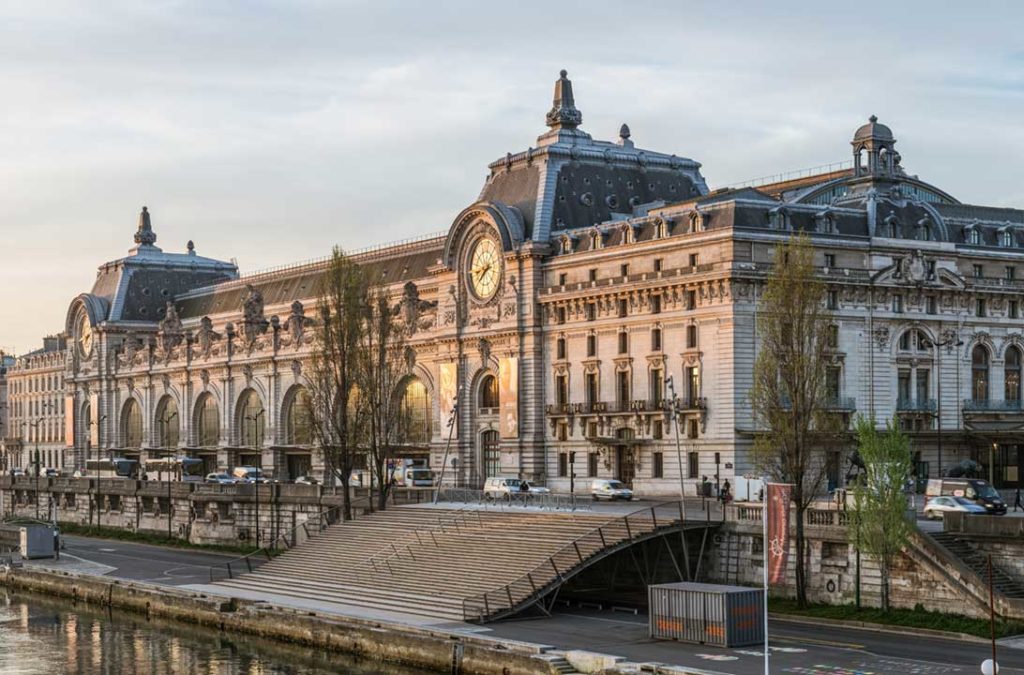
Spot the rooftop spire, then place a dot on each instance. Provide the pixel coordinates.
(563, 113)
(145, 236)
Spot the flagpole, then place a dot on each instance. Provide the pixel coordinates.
(764, 551)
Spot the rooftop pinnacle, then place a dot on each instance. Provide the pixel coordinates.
(563, 113)
(145, 235)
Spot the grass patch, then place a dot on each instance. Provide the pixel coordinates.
(908, 618)
(148, 538)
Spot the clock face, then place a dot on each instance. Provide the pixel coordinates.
(485, 268)
(84, 336)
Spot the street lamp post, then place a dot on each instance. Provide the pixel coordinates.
(99, 495)
(35, 428)
(259, 468)
(674, 407)
(938, 387)
(164, 421)
(452, 421)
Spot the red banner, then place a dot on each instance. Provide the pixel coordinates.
(777, 501)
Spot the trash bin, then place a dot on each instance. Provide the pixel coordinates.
(725, 616)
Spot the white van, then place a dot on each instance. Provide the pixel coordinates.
(418, 476)
(497, 487)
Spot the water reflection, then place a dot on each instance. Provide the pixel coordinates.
(42, 636)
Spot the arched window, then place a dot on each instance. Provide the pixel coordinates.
(251, 420)
(1006, 238)
(489, 392)
(1012, 378)
(979, 374)
(974, 236)
(415, 412)
(208, 421)
(168, 424)
(298, 419)
(131, 424)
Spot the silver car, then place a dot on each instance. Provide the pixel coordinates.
(939, 506)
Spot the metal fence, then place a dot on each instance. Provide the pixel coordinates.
(554, 502)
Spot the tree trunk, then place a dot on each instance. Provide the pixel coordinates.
(801, 557)
(884, 570)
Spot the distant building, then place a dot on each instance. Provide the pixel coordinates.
(557, 305)
(36, 409)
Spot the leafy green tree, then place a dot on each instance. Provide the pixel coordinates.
(881, 527)
(789, 395)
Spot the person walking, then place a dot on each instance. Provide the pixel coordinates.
(1017, 503)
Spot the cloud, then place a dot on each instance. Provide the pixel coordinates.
(269, 131)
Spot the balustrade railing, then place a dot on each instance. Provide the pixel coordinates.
(565, 562)
(992, 405)
(916, 405)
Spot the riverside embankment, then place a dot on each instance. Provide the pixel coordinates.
(427, 649)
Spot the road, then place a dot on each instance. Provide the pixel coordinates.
(142, 562)
(796, 648)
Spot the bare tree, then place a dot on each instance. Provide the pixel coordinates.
(881, 528)
(382, 367)
(789, 394)
(337, 418)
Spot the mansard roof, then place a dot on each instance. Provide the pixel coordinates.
(408, 261)
(571, 180)
(138, 286)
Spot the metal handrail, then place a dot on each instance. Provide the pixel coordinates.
(380, 561)
(323, 521)
(557, 502)
(478, 607)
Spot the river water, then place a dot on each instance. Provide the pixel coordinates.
(46, 636)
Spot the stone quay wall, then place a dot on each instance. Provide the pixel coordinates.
(923, 575)
(197, 512)
(424, 648)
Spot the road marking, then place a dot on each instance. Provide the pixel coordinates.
(815, 641)
(108, 550)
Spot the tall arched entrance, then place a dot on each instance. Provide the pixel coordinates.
(625, 456)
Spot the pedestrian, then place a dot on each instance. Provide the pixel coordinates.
(1017, 503)
(724, 496)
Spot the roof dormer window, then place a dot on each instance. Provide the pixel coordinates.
(972, 235)
(1006, 238)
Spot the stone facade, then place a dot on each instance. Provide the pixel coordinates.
(558, 305)
(35, 409)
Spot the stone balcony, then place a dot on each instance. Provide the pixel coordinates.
(916, 405)
(992, 406)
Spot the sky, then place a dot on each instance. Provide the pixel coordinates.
(267, 132)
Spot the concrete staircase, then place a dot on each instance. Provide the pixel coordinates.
(420, 561)
(978, 563)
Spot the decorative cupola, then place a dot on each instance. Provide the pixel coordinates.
(874, 150)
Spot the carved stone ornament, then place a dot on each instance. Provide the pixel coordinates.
(254, 323)
(913, 268)
(484, 346)
(171, 334)
(206, 337)
(165, 382)
(130, 384)
(204, 377)
(297, 368)
(881, 336)
(247, 372)
(131, 349)
(416, 314)
(296, 325)
(410, 359)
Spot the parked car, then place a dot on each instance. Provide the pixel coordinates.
(249, 474)
(220, 478)
(51, 473)
(306, 480)
(497, 487)
(939, 506)
(17, 472)
(974, 489)
(610, 490)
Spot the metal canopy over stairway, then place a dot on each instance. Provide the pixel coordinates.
(470, 564)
